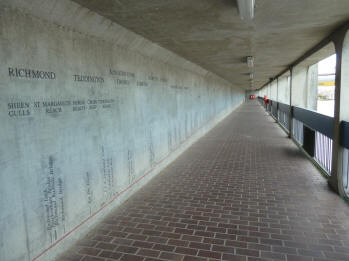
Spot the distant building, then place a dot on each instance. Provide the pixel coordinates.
(326, 86)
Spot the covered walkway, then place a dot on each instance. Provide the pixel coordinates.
(242, 192)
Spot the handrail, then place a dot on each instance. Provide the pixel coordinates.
(284, 107)
(274, 108)
(314, 133)
(274, 104)
(314, 120)
(311, 130)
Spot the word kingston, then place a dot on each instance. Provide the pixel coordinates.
(30, 73)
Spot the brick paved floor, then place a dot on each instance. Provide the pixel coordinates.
(242, 192)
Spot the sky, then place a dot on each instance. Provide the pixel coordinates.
(328, 65)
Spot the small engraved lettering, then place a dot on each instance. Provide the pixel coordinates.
(53, 109)
(79, 108)
(142, 84)
(55, 103)
(88, 78)
(122, 82)
(178, 87)
(153, 78)
(122, 73)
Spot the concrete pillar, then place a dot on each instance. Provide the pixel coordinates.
(299, 87)
(341, 109)
(305, 87)
(290, 135)
(277, 89)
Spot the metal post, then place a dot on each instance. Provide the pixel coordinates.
(290, 134)
(277, 99)
(277, 89)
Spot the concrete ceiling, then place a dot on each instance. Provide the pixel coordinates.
(211, 34)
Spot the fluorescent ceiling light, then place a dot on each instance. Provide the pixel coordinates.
(251, 76)
(250, 61)
(246, 9)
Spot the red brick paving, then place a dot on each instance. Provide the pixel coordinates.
(243, 192)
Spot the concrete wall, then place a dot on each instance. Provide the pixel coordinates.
(312, 87)
(273, 91)
(299, 87)
(304, 87)
(284, 89)
(89, 113)
(265, 91)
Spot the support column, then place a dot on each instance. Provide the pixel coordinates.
(335, 180)
(290, 134)
(277, 89)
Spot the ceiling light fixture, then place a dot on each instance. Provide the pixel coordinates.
(251, 76)
(250, 60)
(246, 9)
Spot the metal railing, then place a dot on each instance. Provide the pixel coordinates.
(297, 131)
(316, 127)
(311, 130)
(323, 151)
(322, 126)
(284, 111)
(261, 101)
(268, 106)
(274, 109)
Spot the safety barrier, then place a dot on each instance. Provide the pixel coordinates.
(274, 109)
(284, 111)
(312, 131)
(297, 131)
(316, 134)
